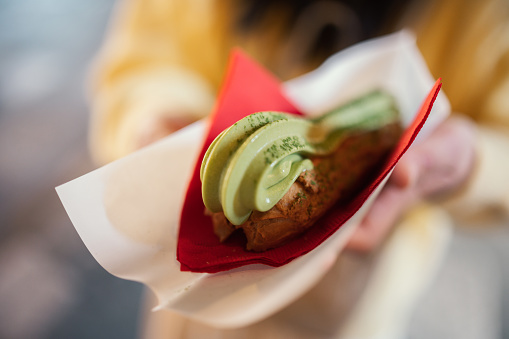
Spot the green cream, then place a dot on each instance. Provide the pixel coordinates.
(252, 164)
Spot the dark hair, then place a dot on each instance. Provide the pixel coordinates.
(323, 27)
(373, 17)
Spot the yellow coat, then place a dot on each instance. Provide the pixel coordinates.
(167, 57)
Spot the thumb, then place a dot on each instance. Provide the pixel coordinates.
(406, 172)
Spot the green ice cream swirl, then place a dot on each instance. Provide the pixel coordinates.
(251, 165)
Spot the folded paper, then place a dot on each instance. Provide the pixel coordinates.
(248, 89)
(128, 212)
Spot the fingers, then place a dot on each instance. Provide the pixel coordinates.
(384, 213)
(405, 174)
(443, 161)
(437, 165)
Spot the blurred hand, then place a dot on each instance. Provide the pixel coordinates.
(159, 127)
(435, 166)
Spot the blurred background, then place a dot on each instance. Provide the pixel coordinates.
(50, 286)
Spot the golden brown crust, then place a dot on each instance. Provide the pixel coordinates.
(334, 178)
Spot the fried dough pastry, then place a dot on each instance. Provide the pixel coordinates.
(335, 179)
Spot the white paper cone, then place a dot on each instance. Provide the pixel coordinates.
(127, 212)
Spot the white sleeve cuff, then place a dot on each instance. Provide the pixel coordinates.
(488, 186)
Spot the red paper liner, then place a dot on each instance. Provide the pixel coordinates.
(249, 88)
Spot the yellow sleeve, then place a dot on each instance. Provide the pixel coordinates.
(466, 43)
(161, 57)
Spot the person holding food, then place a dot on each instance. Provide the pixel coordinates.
(160, 70)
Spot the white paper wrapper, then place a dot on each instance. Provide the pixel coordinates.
(127, 212)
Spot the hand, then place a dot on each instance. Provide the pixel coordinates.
(161, 126)
(435, 166)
